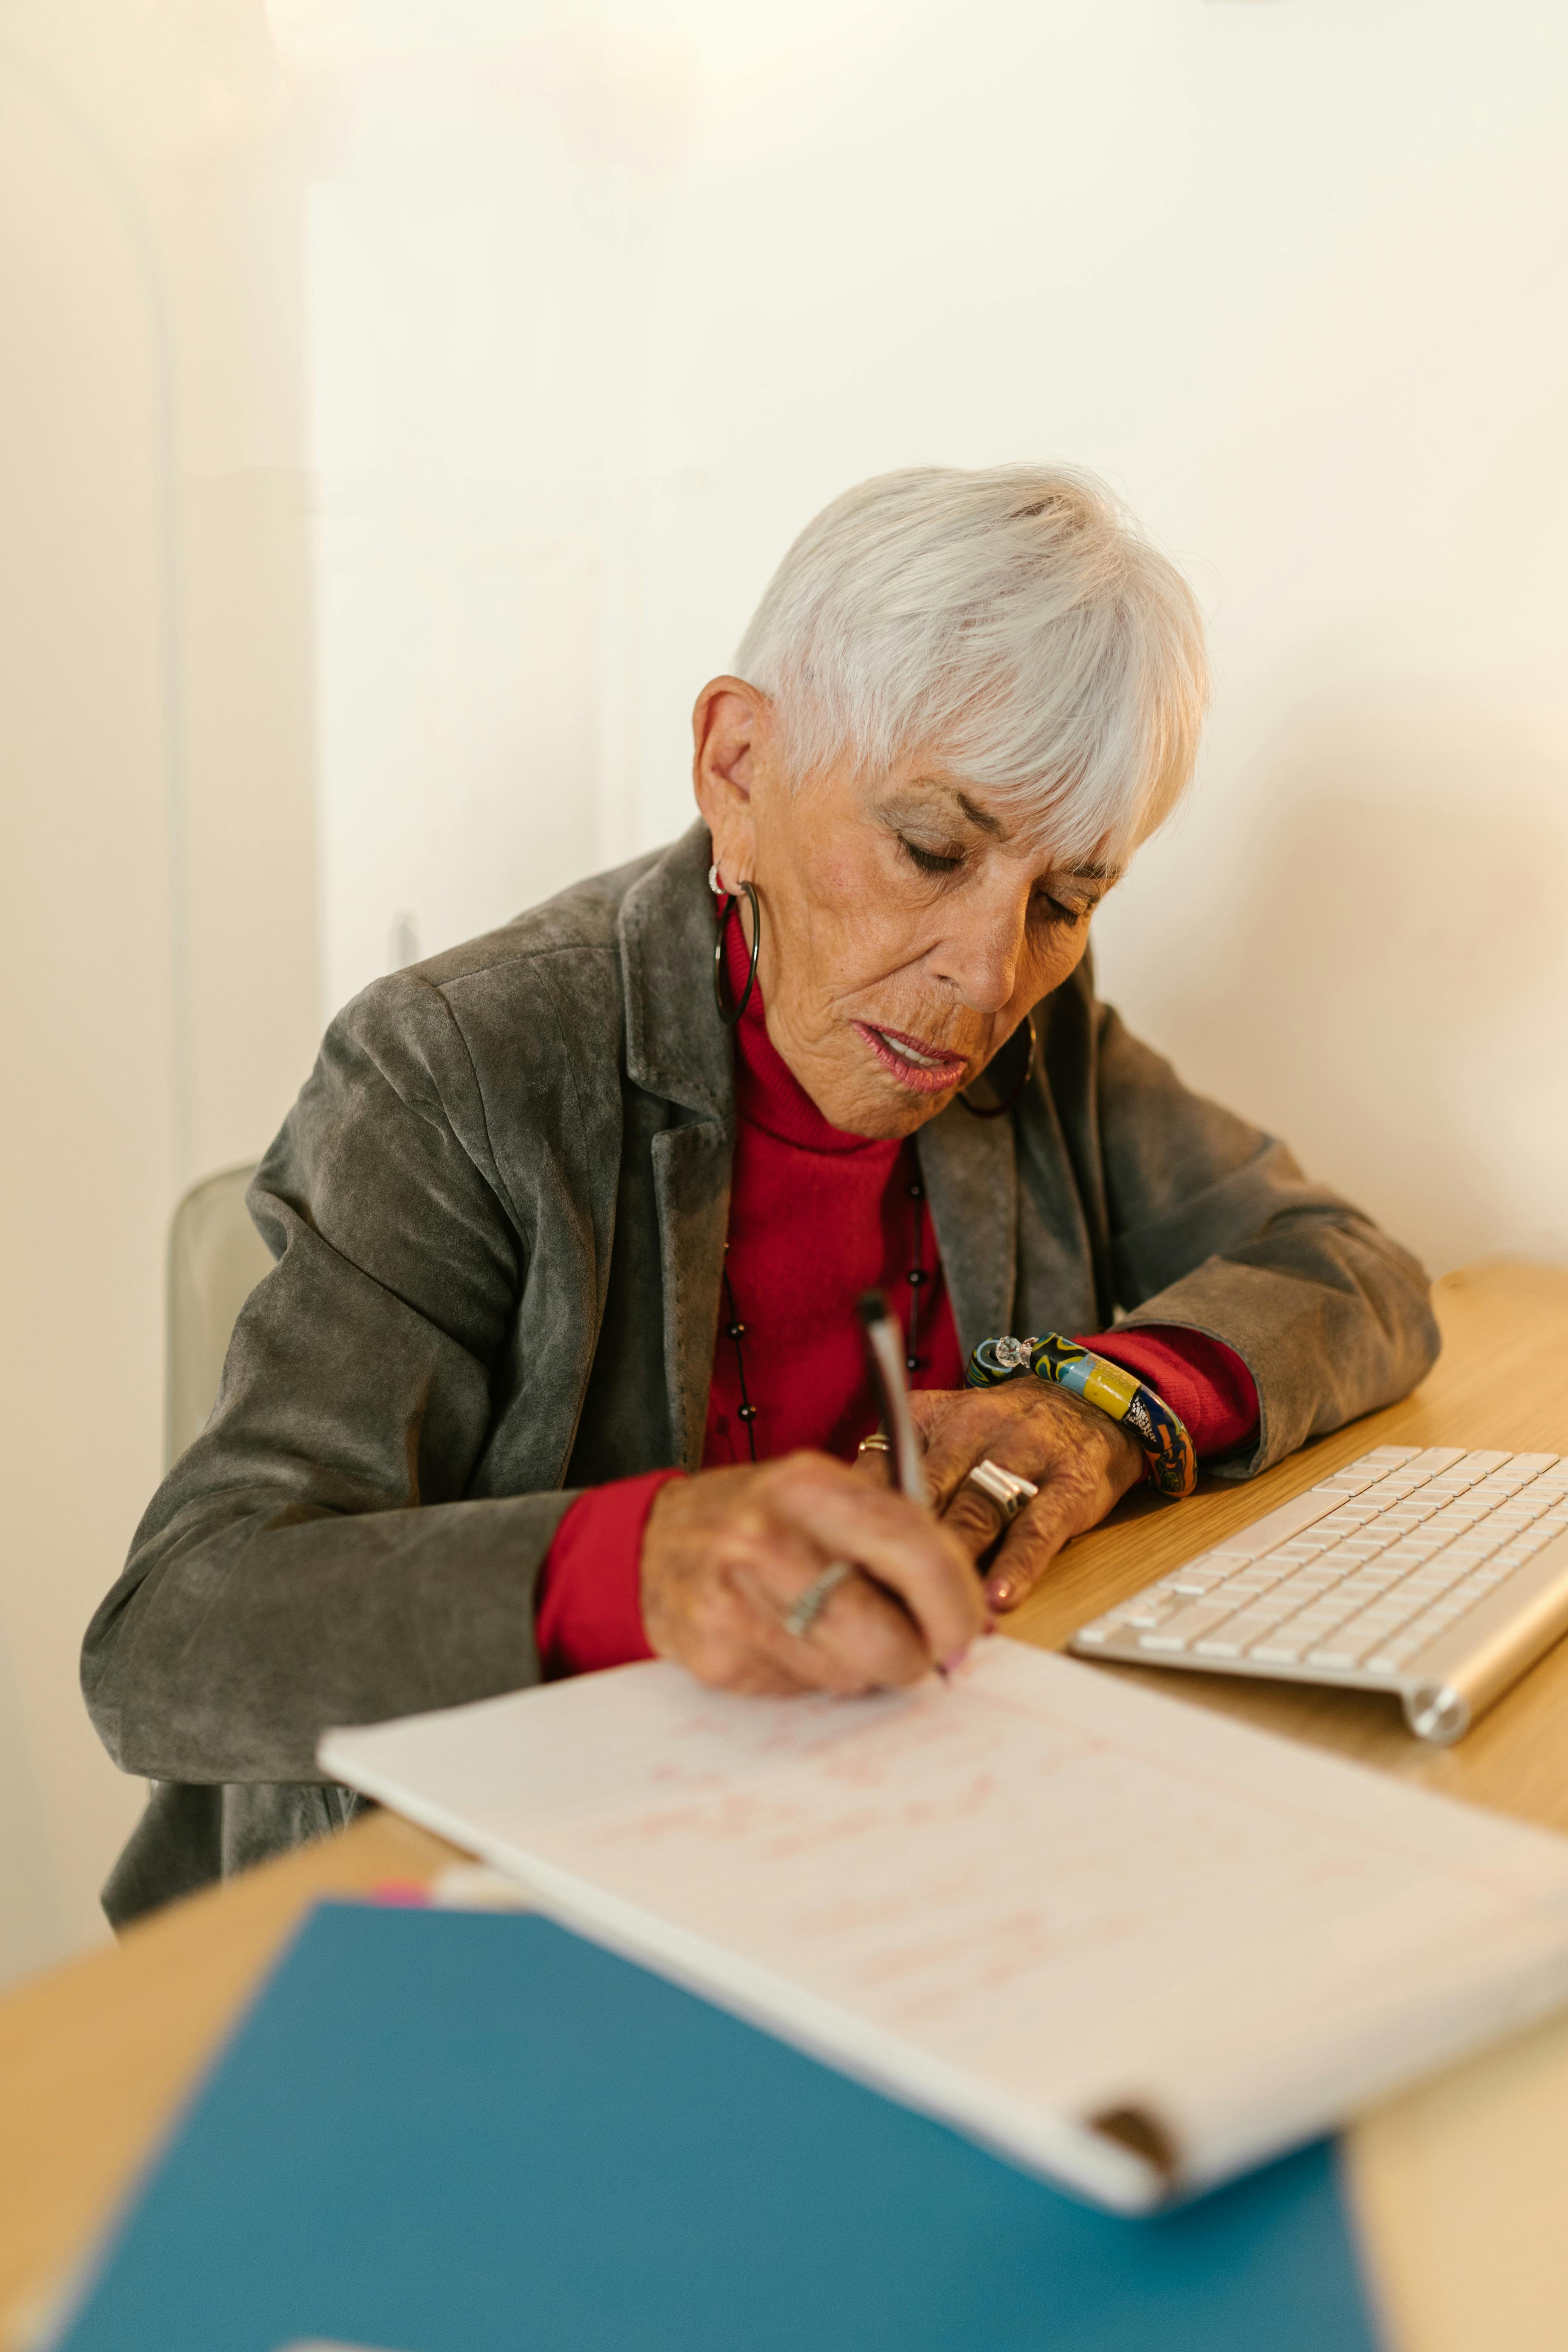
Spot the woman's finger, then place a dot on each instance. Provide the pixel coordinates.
(874, 1464)
(1061, 1512)
(898, 1545)
(864, 1637)
(975, 1518)
(860, 1639)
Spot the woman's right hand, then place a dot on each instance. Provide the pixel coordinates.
(727, 1553)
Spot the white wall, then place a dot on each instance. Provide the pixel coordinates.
(158, 922)
(475, 259)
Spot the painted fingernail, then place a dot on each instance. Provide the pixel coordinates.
(1002, 1594)
(950, 1665)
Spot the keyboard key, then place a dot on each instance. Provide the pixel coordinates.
(1239, 1632)
(1377, 1625)
(1342, 1653)
(1179, 1632)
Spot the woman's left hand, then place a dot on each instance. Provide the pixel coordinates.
(1081, 1460)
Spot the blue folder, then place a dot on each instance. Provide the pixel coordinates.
(468, 2132)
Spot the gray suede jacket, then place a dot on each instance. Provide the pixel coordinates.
(498, 1211)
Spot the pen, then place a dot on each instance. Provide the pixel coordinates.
(885, 1346)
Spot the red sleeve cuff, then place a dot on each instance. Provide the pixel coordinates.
(589, 1609)
(1201, 1379)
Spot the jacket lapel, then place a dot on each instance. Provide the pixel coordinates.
(691, 1188)
(971, 1176)
(676, 1046)
(678, 1049)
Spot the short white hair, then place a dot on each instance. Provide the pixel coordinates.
(1014, 621)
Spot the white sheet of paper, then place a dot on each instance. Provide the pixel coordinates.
(1018, 1899)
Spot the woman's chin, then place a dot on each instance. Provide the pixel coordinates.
(877, 1107)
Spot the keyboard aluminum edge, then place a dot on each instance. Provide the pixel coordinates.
(1456, 1677)
(1122, 1652)
(1446, 1687)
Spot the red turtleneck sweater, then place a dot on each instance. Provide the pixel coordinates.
(816, 1216)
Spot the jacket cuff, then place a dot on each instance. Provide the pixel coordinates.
(589, 1610)
(1201, 1379)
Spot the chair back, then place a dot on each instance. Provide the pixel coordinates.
(216, 1257)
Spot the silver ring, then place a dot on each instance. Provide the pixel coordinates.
(1002, 1487)
(811, 1603)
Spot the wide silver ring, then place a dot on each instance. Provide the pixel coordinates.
(808, 1608)
(1002, 1487)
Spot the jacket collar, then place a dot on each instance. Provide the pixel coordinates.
(676, 1046)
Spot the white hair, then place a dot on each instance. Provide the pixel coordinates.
(1014, 623)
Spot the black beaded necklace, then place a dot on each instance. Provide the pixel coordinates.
(917, 1279)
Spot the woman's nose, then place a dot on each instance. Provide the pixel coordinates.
(981, 962)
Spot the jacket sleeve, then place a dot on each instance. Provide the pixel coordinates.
(1211, 1223)
(309, 1561)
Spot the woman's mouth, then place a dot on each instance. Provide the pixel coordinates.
(924, 1068)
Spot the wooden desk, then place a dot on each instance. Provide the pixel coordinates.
(1459, 2184)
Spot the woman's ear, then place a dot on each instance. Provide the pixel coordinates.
(731, 728)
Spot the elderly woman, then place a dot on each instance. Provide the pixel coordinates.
(558, 1365)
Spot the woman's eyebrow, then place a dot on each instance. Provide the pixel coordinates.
(1091, 870)
(977, 816)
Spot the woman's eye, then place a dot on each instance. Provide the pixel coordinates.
(930, 861)
(1055, 911)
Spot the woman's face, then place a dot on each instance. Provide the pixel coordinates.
(908, 925)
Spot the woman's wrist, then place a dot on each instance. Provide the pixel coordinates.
(588, 1606)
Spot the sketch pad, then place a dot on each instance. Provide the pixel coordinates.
(1126, 1943)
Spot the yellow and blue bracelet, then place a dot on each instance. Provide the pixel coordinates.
(1167, 1448)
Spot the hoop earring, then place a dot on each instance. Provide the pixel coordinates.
(996, 1110)
(729, 1013)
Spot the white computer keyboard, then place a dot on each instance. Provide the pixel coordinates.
(1440, 1575)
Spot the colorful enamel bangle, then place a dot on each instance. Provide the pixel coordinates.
(1167, 1448)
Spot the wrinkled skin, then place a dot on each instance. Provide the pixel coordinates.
(909, 922)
